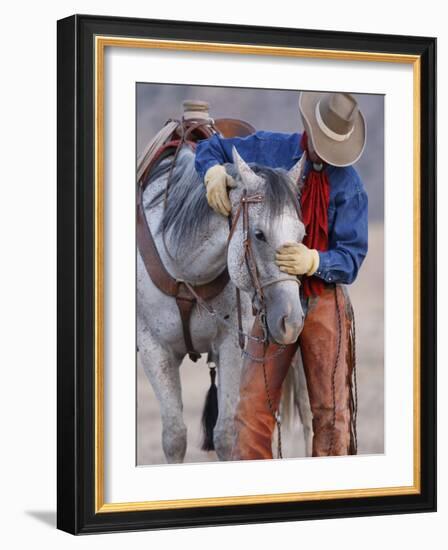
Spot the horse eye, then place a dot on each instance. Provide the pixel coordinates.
(260, 235)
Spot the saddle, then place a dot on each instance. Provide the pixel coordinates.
(186, 132)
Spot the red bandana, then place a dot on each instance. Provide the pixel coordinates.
(314, 201)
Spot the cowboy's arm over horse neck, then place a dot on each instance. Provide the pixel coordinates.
(274, 149)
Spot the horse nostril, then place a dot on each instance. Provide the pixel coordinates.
(283, 323)
(288, 324)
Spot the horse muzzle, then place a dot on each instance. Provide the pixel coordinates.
(284, 315)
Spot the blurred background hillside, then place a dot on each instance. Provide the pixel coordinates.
(277, 110)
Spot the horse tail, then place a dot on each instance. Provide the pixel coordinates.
(295, 400)
(210, 413)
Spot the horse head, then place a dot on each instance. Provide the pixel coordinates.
(266, 214)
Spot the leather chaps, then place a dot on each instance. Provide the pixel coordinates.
(326, 354)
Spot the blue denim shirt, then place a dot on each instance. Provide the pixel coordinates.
(347, 210)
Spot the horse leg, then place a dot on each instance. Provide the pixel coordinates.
(229, 371)
(162, 369)
(302, 402)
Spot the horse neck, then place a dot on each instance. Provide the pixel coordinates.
(205, 256)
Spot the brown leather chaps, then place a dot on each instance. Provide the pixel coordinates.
(328, 387)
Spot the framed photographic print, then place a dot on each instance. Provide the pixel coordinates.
(246, 274)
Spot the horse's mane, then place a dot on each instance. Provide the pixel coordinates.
(187, 212)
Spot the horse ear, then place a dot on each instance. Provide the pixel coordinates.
(245, 172)
(296, 172)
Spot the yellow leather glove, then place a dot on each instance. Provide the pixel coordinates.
(297, 259)
(216, 182)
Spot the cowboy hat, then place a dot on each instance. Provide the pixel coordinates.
(335, 126)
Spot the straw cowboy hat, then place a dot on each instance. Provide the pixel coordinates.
(335, 125)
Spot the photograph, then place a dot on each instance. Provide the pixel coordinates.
(260, 273)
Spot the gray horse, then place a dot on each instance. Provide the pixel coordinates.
(192, 243)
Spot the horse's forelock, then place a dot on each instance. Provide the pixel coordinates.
(280, 193)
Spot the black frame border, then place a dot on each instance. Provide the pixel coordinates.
(75, 273)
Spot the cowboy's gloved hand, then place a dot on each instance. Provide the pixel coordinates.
(217, 181)
(297, 259)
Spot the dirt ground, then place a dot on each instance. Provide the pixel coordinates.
(367, 295)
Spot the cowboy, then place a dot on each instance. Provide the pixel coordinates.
(334, 210)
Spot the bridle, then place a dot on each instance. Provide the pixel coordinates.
(258, 299)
